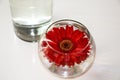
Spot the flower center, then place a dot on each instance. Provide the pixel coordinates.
(66, 45)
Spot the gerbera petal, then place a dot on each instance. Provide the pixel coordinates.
(73, 58)
(59, 60)
(50, 56)
(77, 49)
(56, 55)
(44, 44)
(87, 50)
(69, 30)
(53, 45)
(79, 36)
(83, 57)
(74, 34)
(57, 34)
(66, 59)
(82, 42)
(71, 62)
(51, 36)
(62, 32)
(78, 60)
(79, 52)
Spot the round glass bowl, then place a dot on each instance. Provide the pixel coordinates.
(67, 49)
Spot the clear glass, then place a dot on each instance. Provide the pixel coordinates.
(29, 15)
(67, 49)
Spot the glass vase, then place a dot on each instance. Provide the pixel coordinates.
(67, 49)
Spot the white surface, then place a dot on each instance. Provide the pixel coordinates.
(19, 60)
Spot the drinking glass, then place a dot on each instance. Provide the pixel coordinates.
(29, 17)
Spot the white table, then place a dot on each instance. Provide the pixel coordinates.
(19, 60)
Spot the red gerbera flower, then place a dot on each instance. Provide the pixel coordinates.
(66, 46)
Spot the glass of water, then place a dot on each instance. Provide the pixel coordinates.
(30, 17)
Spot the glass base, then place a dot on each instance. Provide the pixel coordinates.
(29, 33)
(74, 71)
(65, 72)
